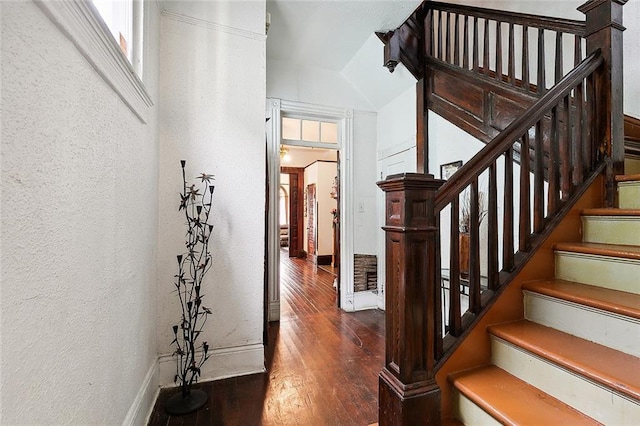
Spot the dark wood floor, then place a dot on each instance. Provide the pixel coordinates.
(322, 364)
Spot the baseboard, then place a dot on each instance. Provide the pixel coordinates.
(324, 259)
(365, 300)
(223, 363)
(145, 399)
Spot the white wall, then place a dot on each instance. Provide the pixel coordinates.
(312, 85)
(364, 179)
(212, 96)
(322, 174)
(79, 241)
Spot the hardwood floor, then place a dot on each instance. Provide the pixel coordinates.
(322, 364)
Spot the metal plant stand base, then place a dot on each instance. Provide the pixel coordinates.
(177, 406)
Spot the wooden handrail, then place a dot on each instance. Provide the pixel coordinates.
(535, 21)
(481, 161)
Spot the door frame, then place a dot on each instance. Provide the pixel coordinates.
(275, 108)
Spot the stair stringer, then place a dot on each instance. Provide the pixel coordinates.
(475, 348)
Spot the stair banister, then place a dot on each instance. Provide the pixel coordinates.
(415, 346)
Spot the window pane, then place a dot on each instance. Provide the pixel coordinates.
(291, 128)
(329, 132)
(118, 17)
(310, 131)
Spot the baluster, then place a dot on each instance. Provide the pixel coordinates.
(475, 304)
(455, 316)
(492, 229)
(499, 51)
(430, 40)
(456, 41)
(485, 52)
(577, 53)
(447, 46)
(512, 65)
(475, 44)
(542, 85)
(440, 34)
(525, 58)
(538, 179)
(465, 48)
(507, 243)
(565, 150)
(591, 145)
(559, 66)
(578, 166)
(554, 181)
(525, 213)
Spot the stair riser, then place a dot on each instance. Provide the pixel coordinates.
(601, 271)
(611, 230)
(629, 195)
(611, 408)
(605, 328)
(469, 413)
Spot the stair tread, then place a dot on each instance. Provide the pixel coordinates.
(614, 301)
(628, 178)
(513, 401)
(611, 368)
(611, 212)
(599, 249)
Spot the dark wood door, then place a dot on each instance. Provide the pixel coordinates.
(311, 219)
(296, 209)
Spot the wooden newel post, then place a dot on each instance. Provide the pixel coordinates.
(409, 394)
(604, 31)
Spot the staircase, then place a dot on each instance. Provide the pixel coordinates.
(575, 357)
(553, 128)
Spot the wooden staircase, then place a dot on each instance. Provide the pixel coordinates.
(565, 349)
(575, 357)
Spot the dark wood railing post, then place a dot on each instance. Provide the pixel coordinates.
(604, 31)
(409, 394)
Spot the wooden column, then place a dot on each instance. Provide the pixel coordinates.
(604, 31)
(409, 394)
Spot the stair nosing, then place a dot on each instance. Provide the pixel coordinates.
(631, 252)
(493, 409)
(615, 212)
(578, 365)
(628, 178)
(579, 297)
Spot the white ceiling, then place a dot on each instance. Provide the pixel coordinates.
(327, 34)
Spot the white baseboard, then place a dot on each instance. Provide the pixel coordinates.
(365, 300)
(223, 363)
(143, 404)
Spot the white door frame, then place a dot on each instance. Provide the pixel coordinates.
(275, 108)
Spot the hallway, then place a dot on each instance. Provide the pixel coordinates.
(322, 364)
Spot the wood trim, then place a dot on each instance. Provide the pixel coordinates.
(295, 246)
(631, 136)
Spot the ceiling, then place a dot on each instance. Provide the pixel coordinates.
(328, 33)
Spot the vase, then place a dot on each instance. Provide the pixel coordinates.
(463, 257)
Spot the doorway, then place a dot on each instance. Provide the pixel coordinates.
(311, 119)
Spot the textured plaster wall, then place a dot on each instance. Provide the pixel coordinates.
(79, 222)
(212, 93)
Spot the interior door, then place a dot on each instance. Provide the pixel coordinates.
(311, 220)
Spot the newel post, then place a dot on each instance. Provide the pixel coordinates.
(409, 394)
(604, 31)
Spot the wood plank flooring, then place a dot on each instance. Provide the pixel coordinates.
(322, 364)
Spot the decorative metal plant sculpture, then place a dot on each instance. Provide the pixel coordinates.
(192, 267)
